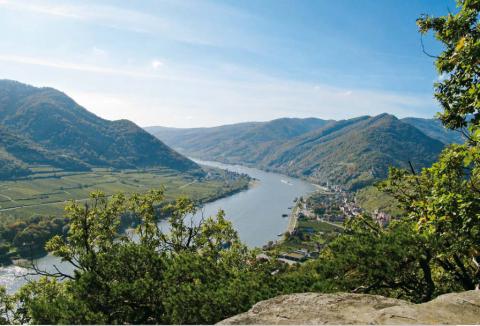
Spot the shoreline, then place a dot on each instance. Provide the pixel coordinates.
(247, 186)
(292, 223)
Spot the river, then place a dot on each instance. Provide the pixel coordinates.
(255, 213)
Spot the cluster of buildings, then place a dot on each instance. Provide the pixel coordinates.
(332, 205)
(382, 218)
(350, 209)
(292, 257)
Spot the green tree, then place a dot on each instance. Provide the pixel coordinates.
(369, 258)
(444, 200)
(195, 273)
(459, 63)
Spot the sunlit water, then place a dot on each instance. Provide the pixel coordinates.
(255, 213)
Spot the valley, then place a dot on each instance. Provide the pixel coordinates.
(255, 213)
(207, 162)
(52, 151)
(32, 209)
(351, 153)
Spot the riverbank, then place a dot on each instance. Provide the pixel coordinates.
(293, 219)
(25, 237)
(256, 214)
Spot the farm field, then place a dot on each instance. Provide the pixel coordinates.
(46, 192)
(310, 233)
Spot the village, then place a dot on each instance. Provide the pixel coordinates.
(313, 222)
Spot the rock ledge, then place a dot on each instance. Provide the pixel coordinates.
(348, 308)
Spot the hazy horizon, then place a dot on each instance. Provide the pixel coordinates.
(207, 63)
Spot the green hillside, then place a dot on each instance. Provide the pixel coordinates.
(46, 126)
(356, 152)
(434, 128)
(353, 152)
(18, 153)
(238, 143)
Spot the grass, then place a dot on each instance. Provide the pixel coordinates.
(322, 231)
(371, 199)
(47, 190)
(318, 226)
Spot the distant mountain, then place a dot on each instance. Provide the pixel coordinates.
(353, 152)
(45, 126)
(434, 128)
(237, 143)
(356, 152)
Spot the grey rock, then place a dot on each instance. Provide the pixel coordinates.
(348, 308)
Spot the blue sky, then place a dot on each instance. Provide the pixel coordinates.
(204, 63)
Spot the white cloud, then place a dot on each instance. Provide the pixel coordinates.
(168, 21)
(171, 95)
(74, 66)
(54, 10)
(99, 53)
(156, 64)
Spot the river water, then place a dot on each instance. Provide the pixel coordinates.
(255, 213)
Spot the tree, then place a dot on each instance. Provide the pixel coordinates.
(444, 200)
(369, 258)
(459, 63)
(195, 273)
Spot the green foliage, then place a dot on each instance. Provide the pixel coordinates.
(459, 92)
(371, 199)
(444, 200)
(7, 307)
(196, 273)
(392, 261)
(27, 238)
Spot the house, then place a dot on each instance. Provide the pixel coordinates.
(294, 256)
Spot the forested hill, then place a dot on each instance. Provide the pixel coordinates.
(353, 153)
(237, 143)
(435, 129)
(45, 126)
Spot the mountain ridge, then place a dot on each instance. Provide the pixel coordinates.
(51, 122)
(351, 152)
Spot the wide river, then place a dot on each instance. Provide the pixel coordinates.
(255, 213)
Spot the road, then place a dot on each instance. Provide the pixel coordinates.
(42, 204)
(337, 225)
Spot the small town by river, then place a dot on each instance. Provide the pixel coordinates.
(255, 213)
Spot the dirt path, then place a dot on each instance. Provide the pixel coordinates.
(9, 198)
(333, 224)
(187, 184)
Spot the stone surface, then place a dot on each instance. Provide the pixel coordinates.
(348, 308)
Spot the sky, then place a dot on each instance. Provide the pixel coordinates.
(202, 63)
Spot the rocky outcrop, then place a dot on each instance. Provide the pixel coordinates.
(348, 308)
